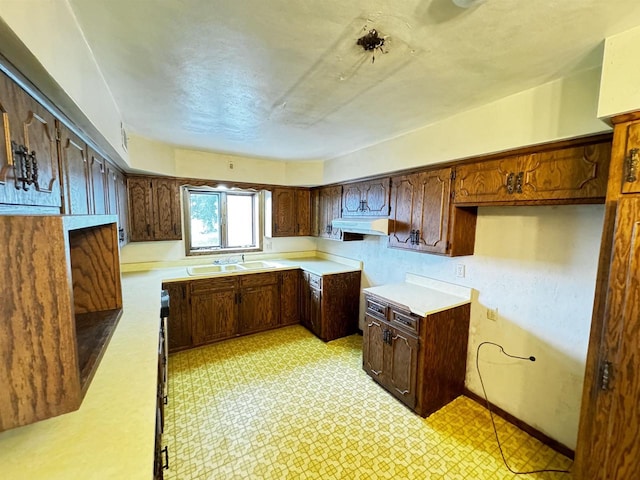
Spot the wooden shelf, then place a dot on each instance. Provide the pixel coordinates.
(62, 301)
(93, 332)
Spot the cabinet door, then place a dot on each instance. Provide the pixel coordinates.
(305, 300)
(433, 211)
(366, 199)
(569, 173)
(179, 323)
(75, 173)
(98, 174)
(112, 190)
(303, 212)
(373, 347)
(166, 210)
(141, 214)
(213, 313)
(401, 358)
(27, 124)
(123, 209)
(259, 302)
(289, 297)
(631, 174)
(406, 202)
(324, 213)
(315, 312)
(490, 181)
(284, 212)
(334, 208)
(611, 448)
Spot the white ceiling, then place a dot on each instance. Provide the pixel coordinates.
(284, 79)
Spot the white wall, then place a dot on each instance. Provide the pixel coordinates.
(160, 158)
(48, 28)
(620, 91)
(537, 266)
(562, 109)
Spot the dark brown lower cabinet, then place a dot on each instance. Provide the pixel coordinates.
(329, 304)
(289, 301)
(179, 322)
(419, 360)
(258, 300)
(214, 309)
(206, 310)
(161, 456)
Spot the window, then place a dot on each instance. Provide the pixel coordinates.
(221, 220)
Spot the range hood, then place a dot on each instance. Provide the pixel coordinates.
(363, 225)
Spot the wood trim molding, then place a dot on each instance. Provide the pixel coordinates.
(535, 433)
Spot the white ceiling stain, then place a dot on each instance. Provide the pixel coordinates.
(285, 79)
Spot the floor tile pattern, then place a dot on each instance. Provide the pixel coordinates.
(285, 405)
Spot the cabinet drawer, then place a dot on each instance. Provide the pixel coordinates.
(258, 279)
(315, 281)
(212, 284)
(376, 309)
(406, 321)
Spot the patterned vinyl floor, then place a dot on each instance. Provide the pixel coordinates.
(284, 405)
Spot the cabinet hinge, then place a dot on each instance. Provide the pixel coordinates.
(631, 165)
(453, 174)
(58, 134)
(605, 376)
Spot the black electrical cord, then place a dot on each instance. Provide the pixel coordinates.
(495, 430)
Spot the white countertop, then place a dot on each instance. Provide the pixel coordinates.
(422, 295)
(112, 435)
(321, 264)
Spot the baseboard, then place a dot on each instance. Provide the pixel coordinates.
(537, 434)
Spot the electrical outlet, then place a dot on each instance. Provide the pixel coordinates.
(492, 314)
(460, 270)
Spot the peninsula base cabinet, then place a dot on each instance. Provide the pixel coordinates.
(419, 360)
(329, 304)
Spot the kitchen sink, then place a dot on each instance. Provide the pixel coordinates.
(227, 268)
(213, 269)
(258, 264)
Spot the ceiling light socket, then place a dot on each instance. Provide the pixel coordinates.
(466, 3)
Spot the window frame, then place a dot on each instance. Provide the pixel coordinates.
(258, 219)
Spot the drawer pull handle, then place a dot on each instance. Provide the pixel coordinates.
(165, 465)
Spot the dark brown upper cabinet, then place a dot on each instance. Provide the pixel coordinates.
(154, 209)
(574, 174)
(369, 199)
(29, 154)
(423, 218)
(291, 212)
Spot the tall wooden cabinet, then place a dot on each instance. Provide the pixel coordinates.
(419, 360)
(154, 209)
(423, 218)
(608, 444)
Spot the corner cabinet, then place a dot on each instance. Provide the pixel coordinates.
(423, 218)
(419, 360)
(290, 212)
(62, 301)
(154, 209)
(574, 174)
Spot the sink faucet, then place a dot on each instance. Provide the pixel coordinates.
(243, 258)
